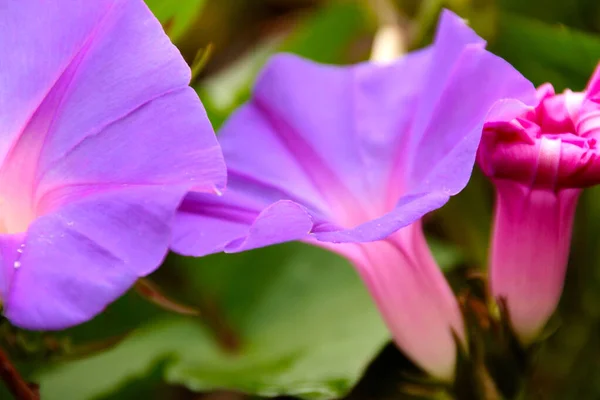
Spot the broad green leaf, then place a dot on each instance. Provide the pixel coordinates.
(305, 323)
(175, 15)
(547, 53)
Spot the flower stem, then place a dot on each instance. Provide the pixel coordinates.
(15, 383)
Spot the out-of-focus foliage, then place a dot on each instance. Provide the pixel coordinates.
(270, 328)
(176, 16)
(547, 53)
(581, 14)
(336, 27)
(294, 320)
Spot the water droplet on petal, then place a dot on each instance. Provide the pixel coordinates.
(17, 264)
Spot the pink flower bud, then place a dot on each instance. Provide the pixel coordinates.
(539, 162)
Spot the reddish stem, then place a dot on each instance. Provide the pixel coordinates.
(15, 383)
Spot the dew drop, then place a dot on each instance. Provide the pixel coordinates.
(17, 264)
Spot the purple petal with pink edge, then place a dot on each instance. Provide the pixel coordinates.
(365, 150)
(77, 260)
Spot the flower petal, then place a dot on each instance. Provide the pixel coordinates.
(302, 144)
(77, 260)
(124, 74)
(530, 251)
(592, 89)
(451, 39)
(361, 148)
(11, 248)
(204, 225)
(100, 148)
(324, 119)
(168, 141)
(35, 48)
(413, 297)
(447, 144)
(408, 210)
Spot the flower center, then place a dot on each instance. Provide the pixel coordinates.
(17, 209)
(15, 213)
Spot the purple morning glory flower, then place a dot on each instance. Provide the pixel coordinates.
(350, 159)
(100, 138)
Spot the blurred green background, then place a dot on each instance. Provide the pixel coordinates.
(292, 320)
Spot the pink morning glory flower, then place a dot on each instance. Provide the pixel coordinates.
(100, 138)
(350, 159)
(539, 162)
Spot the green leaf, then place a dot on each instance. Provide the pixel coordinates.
(547, 53)
(305, 324)
(176, 16)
